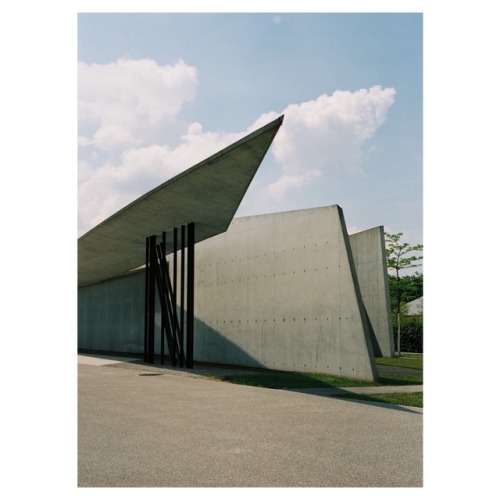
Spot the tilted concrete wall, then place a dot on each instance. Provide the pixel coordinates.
(280, 291)
(368, 250)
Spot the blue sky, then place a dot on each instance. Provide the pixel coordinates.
(350, 86)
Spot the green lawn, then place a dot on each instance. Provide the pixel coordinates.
(401, 379)
(415, 399)
(295, 380)
(406, 360)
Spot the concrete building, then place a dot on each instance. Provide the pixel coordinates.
(286, 291)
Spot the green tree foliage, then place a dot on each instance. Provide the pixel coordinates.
(412, 328)
(401, 257)
(412, 287)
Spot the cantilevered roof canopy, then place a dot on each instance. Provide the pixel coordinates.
(207, 194)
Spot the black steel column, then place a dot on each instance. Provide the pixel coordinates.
(174, 281)
(183, 282)
(168, 317)
(190, 296)
(146, 301)
(163, 319)
(179, 332)
(174, 297)
(152, 300)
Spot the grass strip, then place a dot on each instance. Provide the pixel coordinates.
(409, 360)
(298, 380)
(415, 399)
(401, 379)
(293, 380)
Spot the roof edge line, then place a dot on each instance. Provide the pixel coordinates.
(275, 123)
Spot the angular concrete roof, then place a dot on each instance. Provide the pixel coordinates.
(207, 194)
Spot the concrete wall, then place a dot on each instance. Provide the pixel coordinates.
(368, 250)
(277, 291)
(111, 315)
(280, 291)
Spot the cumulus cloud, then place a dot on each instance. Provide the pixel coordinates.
(128, 114)
(279, 188)
(128, 102)
(131, 136)
(327, 133)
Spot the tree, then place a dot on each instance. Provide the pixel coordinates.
(411, 288)
(398, 259)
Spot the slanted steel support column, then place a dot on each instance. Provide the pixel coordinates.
(163, 319)
(169, 326)
(190, 296)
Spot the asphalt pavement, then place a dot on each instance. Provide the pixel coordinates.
(151, 426)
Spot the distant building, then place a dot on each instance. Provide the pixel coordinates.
(415, 307)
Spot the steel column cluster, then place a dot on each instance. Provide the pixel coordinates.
(177, 328)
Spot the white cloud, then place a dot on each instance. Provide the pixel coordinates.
(127, 103)
(327, 133)
(278, 189)
(132, 139)
(128, 114)
(84, 141)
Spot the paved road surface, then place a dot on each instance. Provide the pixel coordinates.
(140, 426)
